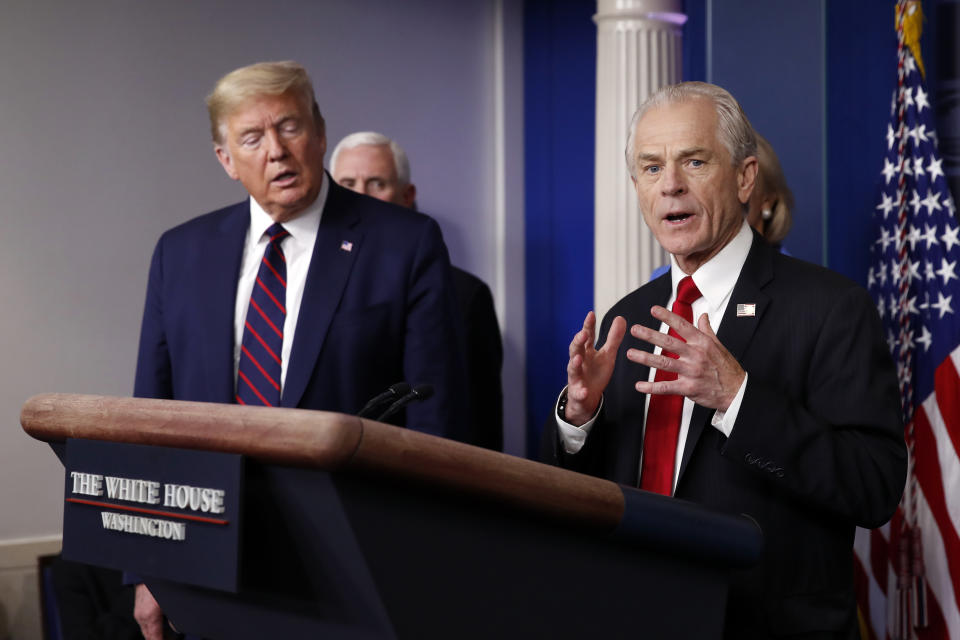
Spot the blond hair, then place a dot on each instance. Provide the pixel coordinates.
(772, 183)
(262, 78)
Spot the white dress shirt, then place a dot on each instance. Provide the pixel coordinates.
(715, 279)
(297, 249)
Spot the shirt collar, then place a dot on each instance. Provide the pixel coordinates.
(304, 225)
(715, 278)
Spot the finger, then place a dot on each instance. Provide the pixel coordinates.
(574, 368)
(615, 335)
(660, 361)
(576, 345)
(663, 340)
(660, 387)
(684, 328)
(703, 323)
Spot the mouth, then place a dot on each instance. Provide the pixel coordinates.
(284, 179)
(677, 218)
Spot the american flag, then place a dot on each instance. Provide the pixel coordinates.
(908, 572)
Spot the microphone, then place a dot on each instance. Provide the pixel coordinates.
(394, 391)
(419, 393)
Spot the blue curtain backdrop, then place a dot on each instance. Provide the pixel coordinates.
(560, 54)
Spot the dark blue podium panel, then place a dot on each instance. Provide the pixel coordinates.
(154, 511)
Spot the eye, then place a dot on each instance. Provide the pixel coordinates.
(377, 184)
(290, 127)
(652, 169)
(250, 140)
(696, 163)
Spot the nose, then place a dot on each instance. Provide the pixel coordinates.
(672, 181)
(276, 150)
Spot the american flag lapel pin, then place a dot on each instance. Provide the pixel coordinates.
(746, 310)
(347, 246)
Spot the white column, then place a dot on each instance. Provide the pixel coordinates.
(638, 51)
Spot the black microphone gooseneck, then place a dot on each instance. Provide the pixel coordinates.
(418, 393)
(379, 401)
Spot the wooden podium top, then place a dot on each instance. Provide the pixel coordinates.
(330, 442)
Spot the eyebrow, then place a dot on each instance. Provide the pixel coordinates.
(682, 154)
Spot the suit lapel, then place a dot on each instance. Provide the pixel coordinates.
(218, 271)
(630, 438)
(736, 331)
(334, 255)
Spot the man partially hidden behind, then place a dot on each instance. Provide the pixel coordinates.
(772, 394)
(303, 295)
(371, 163)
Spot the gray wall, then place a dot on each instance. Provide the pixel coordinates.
(104, 144)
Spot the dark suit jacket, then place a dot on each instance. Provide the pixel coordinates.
(380, 312)
(817, 447)
(484, 357)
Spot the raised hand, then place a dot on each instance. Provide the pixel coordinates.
(589, 369)
(706, 372)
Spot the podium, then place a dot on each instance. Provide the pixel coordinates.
(350, 528)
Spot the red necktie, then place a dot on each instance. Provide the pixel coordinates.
(666, 411)
(258, 376)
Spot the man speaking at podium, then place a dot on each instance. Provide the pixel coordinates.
(752, 382)
(305, 294)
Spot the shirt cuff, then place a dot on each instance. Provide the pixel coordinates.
(572, 437)
(724, 420)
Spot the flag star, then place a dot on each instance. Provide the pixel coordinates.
(928, 272)
(907, 96)
(913, 236)
(915, 202)
(909, 64)
(907, 166)
(921, 99)
(882, 273)
(919, 134)
(891, 137)
(906, 340)
(891, 342)
(913, 271)
(881, 309)
(894, 276)
(930, 236)
(889, 170)
(918, 166)
(943, 304)
(912, 306)
(926, 338)
(949, 237)
(946, 270)
(931, 202)
(893, 306)
(886, 237)
(935, 168)
(870, 279)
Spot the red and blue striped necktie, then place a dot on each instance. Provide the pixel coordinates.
(258, 376)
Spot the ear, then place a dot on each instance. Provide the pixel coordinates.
(223, 155)
(747, 178)
(408, 196)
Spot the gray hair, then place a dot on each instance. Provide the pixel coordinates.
(262, 78)
(734, 130)
(374, 139)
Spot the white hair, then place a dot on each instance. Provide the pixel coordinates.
(374, 139)
(734, 130)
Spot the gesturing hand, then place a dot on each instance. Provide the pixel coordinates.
(589, 370)
(706, 372)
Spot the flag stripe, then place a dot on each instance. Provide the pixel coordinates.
(931, 497)
(943, 601)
